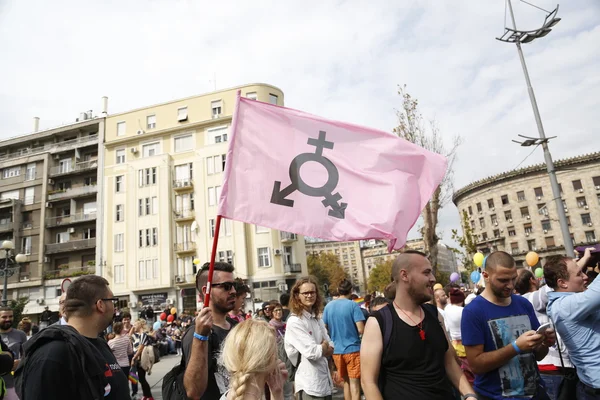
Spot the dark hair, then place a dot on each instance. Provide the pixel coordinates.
(368, 298)
(240, 287)
(403, 262)
(555, 269)
(345, 287)
(296, 306)
(126, 315)
(5, 309)
(118, 327)
(523, 284)
(35, 329)
(83, 294)
(377, 301)
(284, 299)
(202, 275)
(499, 259)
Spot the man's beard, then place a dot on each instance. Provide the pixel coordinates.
(498, 292)
(6, 325)
(419, 297)
(223, 308)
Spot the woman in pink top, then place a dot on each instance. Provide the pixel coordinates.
(121, 347)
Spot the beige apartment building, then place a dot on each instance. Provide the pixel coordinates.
(348, 254)
(163, 177)
(49, 207)
(514, 211)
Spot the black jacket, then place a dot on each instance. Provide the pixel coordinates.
(89, 374)
(6, 359)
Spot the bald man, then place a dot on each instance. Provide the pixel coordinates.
(441, 299)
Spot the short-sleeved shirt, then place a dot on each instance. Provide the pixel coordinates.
(495, 327)
(341, 317)
(14, 339)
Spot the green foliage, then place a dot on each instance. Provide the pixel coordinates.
(442, 277)
(380, 276)
(326, 268)
(467, 242)
(18, 306)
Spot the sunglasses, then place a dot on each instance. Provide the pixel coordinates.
(227, 286)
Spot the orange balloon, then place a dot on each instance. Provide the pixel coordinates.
(532, 258)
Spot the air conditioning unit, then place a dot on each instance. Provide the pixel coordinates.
(170, 302)
(71, 230)
(48, 204)
(140, 132)
(545, 230)
(216, 116)
(277, 252)
(179, 279)
(495, 223)
(586, 207)
(566, 210)
(598, 187)
(46, 259)
(589, 224)
(527, 234)
(539, 197)
(50, 181)
(581, 190)
(56, 157)
(131, 305)
(24, 279)
(528, 217)
(510, 220)
(40, 301)
(133, 150)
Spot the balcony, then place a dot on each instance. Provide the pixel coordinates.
(70, 169)
(6, 226)
(287, 237)
(74, 143)
(180, 185)
(185, 247)
(184, 215)
(74, 192)
(294, 268)
(70, 246)
(69, 272)
(70, 219)
(185, 279)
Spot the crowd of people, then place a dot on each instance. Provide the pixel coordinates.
(513, 338)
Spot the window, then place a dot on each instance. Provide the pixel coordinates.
(251, 95)
(490, 203)
(120, 155)
(531, 245)
(273, 98)
(30, 172)
(230, 256)
(151, 121)
(514, 247)
(507, 215)
(586, 219)
(182, 114)
(119, 246)
(119, 184)
(550, 241)
(142, 270)
(217, 108)
(192, 202)
(470, 210)
(147, 176)
(521, 195)
(140, 207)
(211, 196)
(539, 193)
(527, 228)
(218, 193)
(154, 205)
(183, 172)
(598, 196)
(263, 257)
(211, 227)
(155, 267)
(481, 223)
(581, 203)
(148, 239)
(484, 236)
(147, 208)
(568, 221)
(546, 225)
(221, 256)
(89, 233)
(184, 143)
(217, 135)
(210, 165)
(261, 229)
(524, 212)
(573, 238)
(154, 236)
(119, 213)
(141, 238)
(565, 206)
(504, 199)
(596, 180)
(11, 172)
(494, 219)
(26, 245)
(472, 224)
(29, 196)
(150, 149)
(226, 231)
(121, 128)
(560, 188)
(590, 236)
(542, 209)
(577, 185)
(479, 209)
(119, 273)
(496, 233)
(90, 181)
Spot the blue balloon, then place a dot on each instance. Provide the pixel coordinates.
(475, 276)
(484, 261)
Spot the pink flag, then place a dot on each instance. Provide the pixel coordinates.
(297, 172)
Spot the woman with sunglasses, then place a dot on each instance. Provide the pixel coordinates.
(307, 343)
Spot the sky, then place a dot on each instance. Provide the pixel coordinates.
(339, 59)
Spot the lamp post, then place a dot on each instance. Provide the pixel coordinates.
(6, 270)
(517, 37)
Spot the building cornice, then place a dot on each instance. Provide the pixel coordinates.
(522, 172)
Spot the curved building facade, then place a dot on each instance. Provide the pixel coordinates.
(515, 212)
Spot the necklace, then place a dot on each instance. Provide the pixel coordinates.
(419, 325)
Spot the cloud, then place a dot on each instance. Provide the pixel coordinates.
(339, 59)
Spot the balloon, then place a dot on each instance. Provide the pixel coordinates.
(532, 258)
(478, 259)
(475, 276)
(163, 316)
(173, 311)
(196, 261)
(539, 272)
(170, 318)
(454, 277)
(438, 286)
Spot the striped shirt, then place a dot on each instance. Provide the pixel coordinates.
(140, 338)
(121, 348)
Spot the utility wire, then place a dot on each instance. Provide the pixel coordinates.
(527, 156)
(533, 5)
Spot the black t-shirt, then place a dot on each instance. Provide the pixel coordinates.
(286, 314)
(51, 376)
(412, 368)
(218, 377)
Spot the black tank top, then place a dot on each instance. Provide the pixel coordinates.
(412, 368)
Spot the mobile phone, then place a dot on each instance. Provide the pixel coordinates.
(542, 329)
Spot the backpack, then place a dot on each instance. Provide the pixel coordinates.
(289, 364)
(172, 386)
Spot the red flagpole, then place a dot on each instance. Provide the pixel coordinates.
(211, 270)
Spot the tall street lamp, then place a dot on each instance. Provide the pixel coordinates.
(517, 37)
(6, 270)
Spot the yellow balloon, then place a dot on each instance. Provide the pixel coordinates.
(532, 258)
(173, 311)
(478, 259)
(196, 261)
(437, 286)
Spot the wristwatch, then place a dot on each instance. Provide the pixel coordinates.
(469, 396)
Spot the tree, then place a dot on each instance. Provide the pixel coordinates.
(442, 277)
(18, 306)
(411, 127)
(326, 268)
(467, 242)
(380, 276)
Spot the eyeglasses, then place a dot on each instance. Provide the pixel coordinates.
(114, 300)
(308, 294)
(278, 310)
(227, 286)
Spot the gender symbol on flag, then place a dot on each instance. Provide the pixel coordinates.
(338, 209)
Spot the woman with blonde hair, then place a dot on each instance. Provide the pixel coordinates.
(307, 343)
(250, 356)
(141, 340)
